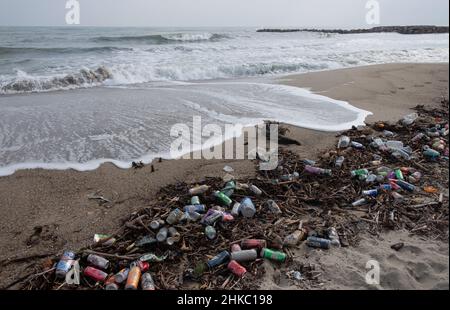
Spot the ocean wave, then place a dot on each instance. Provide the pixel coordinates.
(11, 51)
(25, 83)
(164, 38)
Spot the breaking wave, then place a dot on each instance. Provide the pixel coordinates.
(25, 83)
(164, 38)
(7, 51)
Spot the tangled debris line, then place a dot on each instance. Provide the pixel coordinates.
(217, 233)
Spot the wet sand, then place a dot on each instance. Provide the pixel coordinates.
(57, 203)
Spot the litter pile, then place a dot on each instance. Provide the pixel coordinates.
(216, 234)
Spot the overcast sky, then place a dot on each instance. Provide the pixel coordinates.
(193, 13)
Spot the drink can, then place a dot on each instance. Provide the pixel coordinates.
(161, 236)
(273, 255)
(247, 208)
(122, 275)
(235, 247)
(222, 198)
(174, 216)
(398, 174)
(95, 274)
(227, 217)
(253, 243)
(133, 278)
(110, 284)
(147, 283)
(244, 255)
(255, 190)
(210, 232)
(236, 268)
(371, 193)
(406, 186)
(98, 261)
(235, 209)
(195, 208)
(316, 242)
(195, 200)
(359, 172)
(64, 264)
(144, 266)
(219, 259)
(156, 224)
(211, 217)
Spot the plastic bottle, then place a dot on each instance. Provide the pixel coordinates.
(317, 171)
(359, 202)
(357, 145)
(64, 264)
(198, 190)
(371, 178)
(98, 261)
(272, 207)
(133, 278)
(247, 208)
(290, 177)
(343, 142)
(418, 137)
(405, 185)
(431, 154)
(409, 119)
(334, 237)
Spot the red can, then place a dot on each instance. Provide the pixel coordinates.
(144, 266)
(253, 243)
(235, 248)
(236, 268)
(95, 274)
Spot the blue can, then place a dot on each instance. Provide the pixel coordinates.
(219, 259)
(316, 242)
(386, 187)
(371, 193)
(195, 208)
(64, 264)
(406, 186)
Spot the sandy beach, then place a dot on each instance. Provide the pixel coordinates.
(57, 204)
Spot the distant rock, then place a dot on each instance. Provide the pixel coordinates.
(397, 29)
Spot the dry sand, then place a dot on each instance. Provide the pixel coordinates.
(57, 203)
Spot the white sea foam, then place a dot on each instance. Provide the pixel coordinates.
(120, 125)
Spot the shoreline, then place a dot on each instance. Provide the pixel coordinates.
(57, 201)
